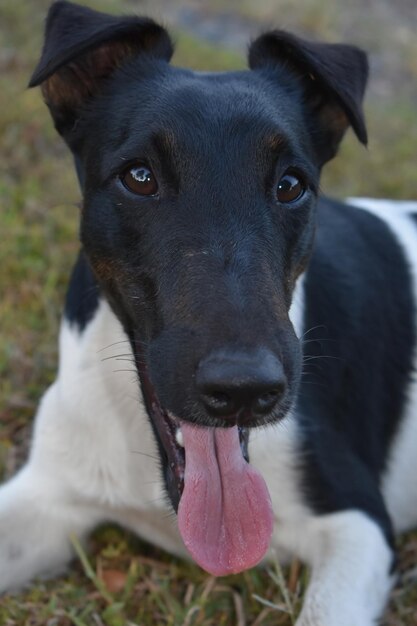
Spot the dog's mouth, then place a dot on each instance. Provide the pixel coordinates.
(224, 509)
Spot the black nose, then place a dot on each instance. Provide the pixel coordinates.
(232, 382)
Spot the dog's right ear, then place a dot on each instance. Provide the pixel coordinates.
(84, 47)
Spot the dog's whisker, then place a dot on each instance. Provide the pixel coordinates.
(307, 358)
(310, 330)
(115, 343)
(150, 456)
(116, 356)
(318, 340)
(315, 383)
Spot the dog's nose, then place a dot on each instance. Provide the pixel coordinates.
(232, 382)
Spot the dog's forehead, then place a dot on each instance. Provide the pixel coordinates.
(169, 92)
(230, 91)
(189, 107)
(211, 102)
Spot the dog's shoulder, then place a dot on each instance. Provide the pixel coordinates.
(359, 337)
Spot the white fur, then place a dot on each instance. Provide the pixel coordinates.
(94, 458)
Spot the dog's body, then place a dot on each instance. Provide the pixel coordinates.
(339, 468)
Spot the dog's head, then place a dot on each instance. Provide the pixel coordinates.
(199, 195)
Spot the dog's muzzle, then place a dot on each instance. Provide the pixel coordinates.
(224, 510)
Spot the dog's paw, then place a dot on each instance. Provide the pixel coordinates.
(30, 550)
(34, 532)
(318, 613)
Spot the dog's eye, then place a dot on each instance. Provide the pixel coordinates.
(140, 180)
(290, 188)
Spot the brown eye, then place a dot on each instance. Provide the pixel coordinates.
(290, 188)
(140, 180)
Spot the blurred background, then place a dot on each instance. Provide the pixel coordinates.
(129, 582)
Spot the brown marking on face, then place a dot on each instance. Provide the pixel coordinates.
(274, 296)
(72, 84)
(274, 143)
(106, 269)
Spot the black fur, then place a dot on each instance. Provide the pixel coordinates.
(358, 350)
(83, 294)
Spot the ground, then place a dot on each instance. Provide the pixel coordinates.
(124, 581)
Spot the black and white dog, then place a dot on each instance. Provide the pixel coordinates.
(241, 301)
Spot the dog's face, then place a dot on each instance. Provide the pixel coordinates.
(197, 219)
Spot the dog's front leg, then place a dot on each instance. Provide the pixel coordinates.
(351, 571)
(36, 524)
(38, 509)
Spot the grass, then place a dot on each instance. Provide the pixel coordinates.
(123, 581)
(118, 587)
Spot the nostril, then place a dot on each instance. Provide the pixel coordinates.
(218, 403)
(265, 402)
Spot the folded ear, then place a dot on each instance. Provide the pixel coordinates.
(333, 77)
(82, 48)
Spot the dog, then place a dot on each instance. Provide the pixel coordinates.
(211, 265)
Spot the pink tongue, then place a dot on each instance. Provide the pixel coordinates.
(225, 513)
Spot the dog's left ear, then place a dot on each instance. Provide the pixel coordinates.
(82, 49)
(333, 78)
